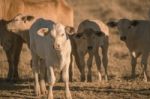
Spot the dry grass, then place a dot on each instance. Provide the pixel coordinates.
(119, 86)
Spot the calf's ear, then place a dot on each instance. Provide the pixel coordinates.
(99, 33)
(43, 31)
(134, 23)
(27, 18)
(78, 35)
(112, 24)
(69, 30)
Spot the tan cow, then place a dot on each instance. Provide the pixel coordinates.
(91, 35)
(56, 10)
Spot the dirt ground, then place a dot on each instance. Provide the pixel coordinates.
(119, 86)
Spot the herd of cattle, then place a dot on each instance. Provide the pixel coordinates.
(54, 43)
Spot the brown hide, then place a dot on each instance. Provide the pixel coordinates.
(56, 10)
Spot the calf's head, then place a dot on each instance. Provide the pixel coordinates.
(20, 23)
(124, 26)
(59, 33)
(89, 39)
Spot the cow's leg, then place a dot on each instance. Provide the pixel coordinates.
(66, 80)
(77, 60)
(51, 81)
(89, 64)
(98, 64)
(37, 86)
(42, 76)
(10, 59)
(71, 68)
(105, 59)
(13, 54)
(18, 47)
(144, 65)
(35, 69)
(134, 57)
(82, 66)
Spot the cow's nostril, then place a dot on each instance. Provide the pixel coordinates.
(90, 47)
(57, 46)
(123, 38)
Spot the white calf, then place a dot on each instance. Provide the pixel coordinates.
(49, 42)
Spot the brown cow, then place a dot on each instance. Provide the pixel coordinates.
(55, 10)
(12, 45)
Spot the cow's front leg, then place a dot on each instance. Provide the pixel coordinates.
(42, 77)
(51, 81)
(17, 52)
(144, 66)
(134, 57)
(82, 66)
(37, 86)
(10, 59)
(35, 69)
(105, 60)
(89, 64)
(66, 80)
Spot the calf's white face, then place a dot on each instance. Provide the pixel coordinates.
(59, 33)
(20, 23)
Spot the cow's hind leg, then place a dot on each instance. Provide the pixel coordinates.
(71, 68)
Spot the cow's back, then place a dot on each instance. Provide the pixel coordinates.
(96, 25)
(55, 10)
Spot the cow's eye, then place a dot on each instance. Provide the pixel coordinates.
(62, 34)
(83, 38)
(16, 20)
(93, 37)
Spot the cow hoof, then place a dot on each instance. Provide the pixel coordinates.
(9, 80)
(68, 96)
(44, 92)
(60, 80)
(89, 78)
(82, 79)
(37, 91)
(106, 78)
